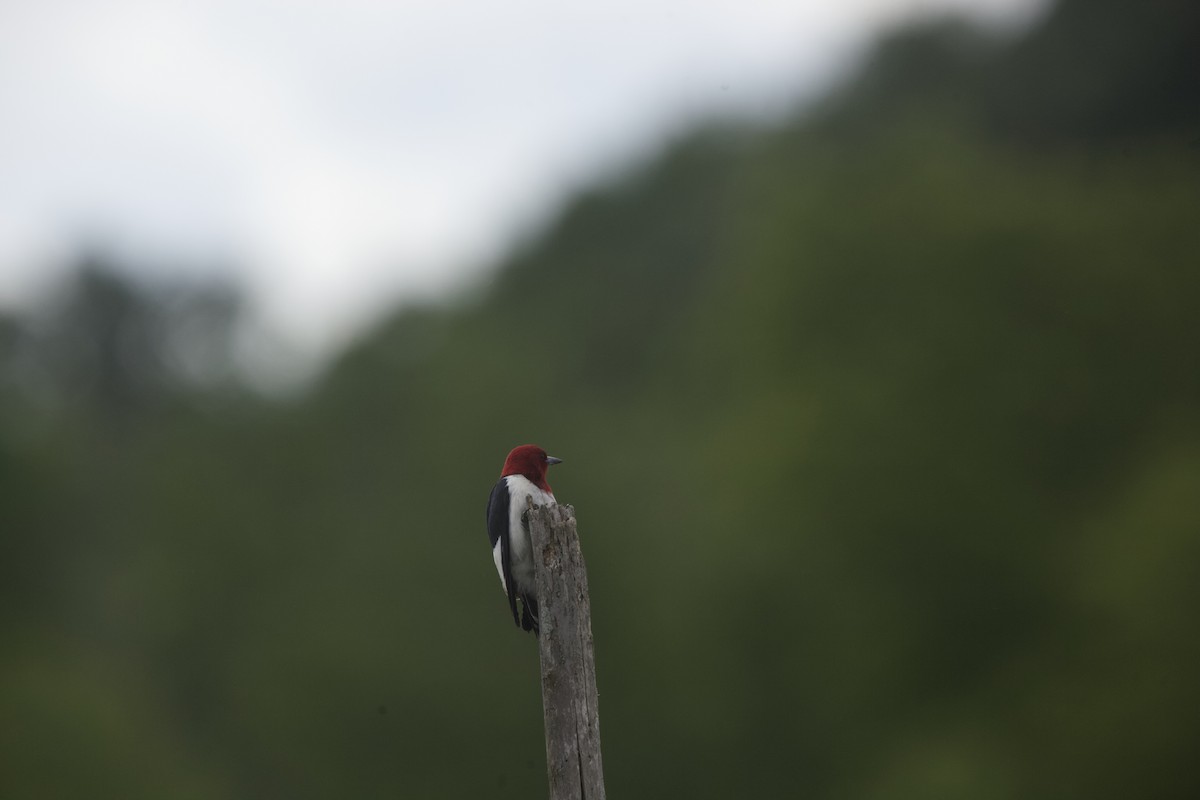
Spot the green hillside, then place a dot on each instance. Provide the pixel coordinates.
(882, 426)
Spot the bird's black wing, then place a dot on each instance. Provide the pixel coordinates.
(497, 522)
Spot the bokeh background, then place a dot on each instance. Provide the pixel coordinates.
(881, 419)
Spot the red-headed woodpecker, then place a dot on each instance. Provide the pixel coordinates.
(523, 476)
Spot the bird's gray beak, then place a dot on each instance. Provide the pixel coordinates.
(553, 460)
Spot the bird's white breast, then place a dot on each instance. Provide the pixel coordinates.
(519, 489)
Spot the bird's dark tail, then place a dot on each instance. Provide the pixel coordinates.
(529, 614)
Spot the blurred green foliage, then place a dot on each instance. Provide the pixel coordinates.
(882, 426)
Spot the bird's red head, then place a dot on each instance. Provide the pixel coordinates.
(530, 461)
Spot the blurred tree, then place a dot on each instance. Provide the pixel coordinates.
(1102, 70)
(120, 348)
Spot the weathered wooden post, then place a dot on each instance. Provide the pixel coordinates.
(569, 701)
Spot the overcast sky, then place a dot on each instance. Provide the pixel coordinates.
(334, 156)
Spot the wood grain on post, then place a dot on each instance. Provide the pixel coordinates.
(569, 700)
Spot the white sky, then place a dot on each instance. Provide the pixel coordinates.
(335, 156)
